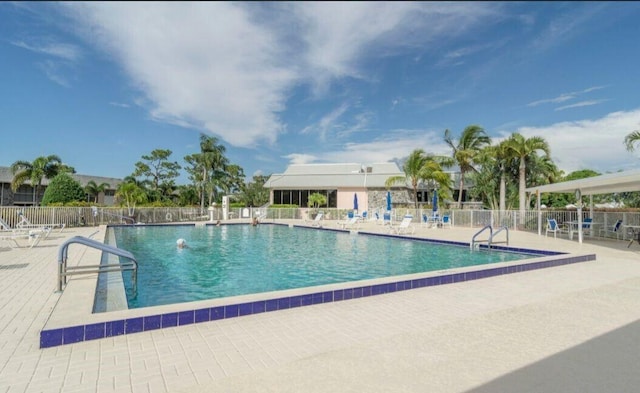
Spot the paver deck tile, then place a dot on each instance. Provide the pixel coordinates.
(485, 335)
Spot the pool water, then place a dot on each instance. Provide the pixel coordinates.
(230, 260)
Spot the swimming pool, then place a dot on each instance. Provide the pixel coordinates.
(73, 319)
(233, 260)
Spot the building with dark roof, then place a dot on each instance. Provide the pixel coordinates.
(24, 195)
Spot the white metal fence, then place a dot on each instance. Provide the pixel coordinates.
(85, 216)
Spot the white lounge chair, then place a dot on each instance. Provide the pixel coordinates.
(352, 223)
(18, 232)
(317, 221)
(404, 227)
(26, 224)
(11, 238)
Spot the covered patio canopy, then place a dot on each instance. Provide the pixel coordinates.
(604, 184)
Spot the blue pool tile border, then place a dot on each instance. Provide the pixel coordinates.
(74, 334)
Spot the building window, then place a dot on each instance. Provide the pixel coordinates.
(301, 197)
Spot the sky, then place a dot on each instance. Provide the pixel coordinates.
(101, 84)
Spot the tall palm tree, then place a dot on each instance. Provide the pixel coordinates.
(418, 167)
(207, 167)
(466, 150)
(42, 167)
(522, 147)
(130, 194)
(631, 139)
(94, 189)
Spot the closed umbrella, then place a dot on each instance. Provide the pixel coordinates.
(388, 201)
(435, 202)
(355, 202)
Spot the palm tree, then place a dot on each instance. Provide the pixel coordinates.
(466, 150)
(522, 147)
(207, 167)
(130, 194)
(94, 189)
(631, 139)
(418, 167)
(316, 200)
(42, 167)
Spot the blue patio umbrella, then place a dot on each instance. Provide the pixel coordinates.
(355, 202)
(435, 201)
(388, 201)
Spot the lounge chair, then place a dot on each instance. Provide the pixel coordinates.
(614, 230)
(555, 228)
(316, 222)
(352, 223)
(404, 227)
(7, 230)
(26, 224)
(11, 238)
(386, 218)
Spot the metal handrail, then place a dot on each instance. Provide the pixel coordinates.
(472, 245)
(64, 271)
(494, 234)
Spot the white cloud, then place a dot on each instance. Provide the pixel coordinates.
(59, 58)
(590, 144)
(230, 67)
(396, 144)
(296, 158)
(52, 70)
(570, 96)
(580, 104)
(327, 123)
(59, 50)
(561, 98)
(120, 104)
(585, 144)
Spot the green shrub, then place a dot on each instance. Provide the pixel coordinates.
(63, 189)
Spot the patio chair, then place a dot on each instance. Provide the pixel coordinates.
(555, 228)
(426, 222)
(446, 221)
(317, 221)
(26, 224)
(614, 230)
(586, 225)
(386, 218)
(11, 238)
(405, 227)
(352, 223)
(7, 230)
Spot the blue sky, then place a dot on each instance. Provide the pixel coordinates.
(101, 84)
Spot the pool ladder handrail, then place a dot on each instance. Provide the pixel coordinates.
(494, 234)
(64, 270)
(473, 243)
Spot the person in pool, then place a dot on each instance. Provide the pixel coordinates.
(181, 243)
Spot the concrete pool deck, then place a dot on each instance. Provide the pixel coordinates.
(568, 328)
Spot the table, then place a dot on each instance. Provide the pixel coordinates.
(573, 227)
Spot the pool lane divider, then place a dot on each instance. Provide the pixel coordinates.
(74, 334)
